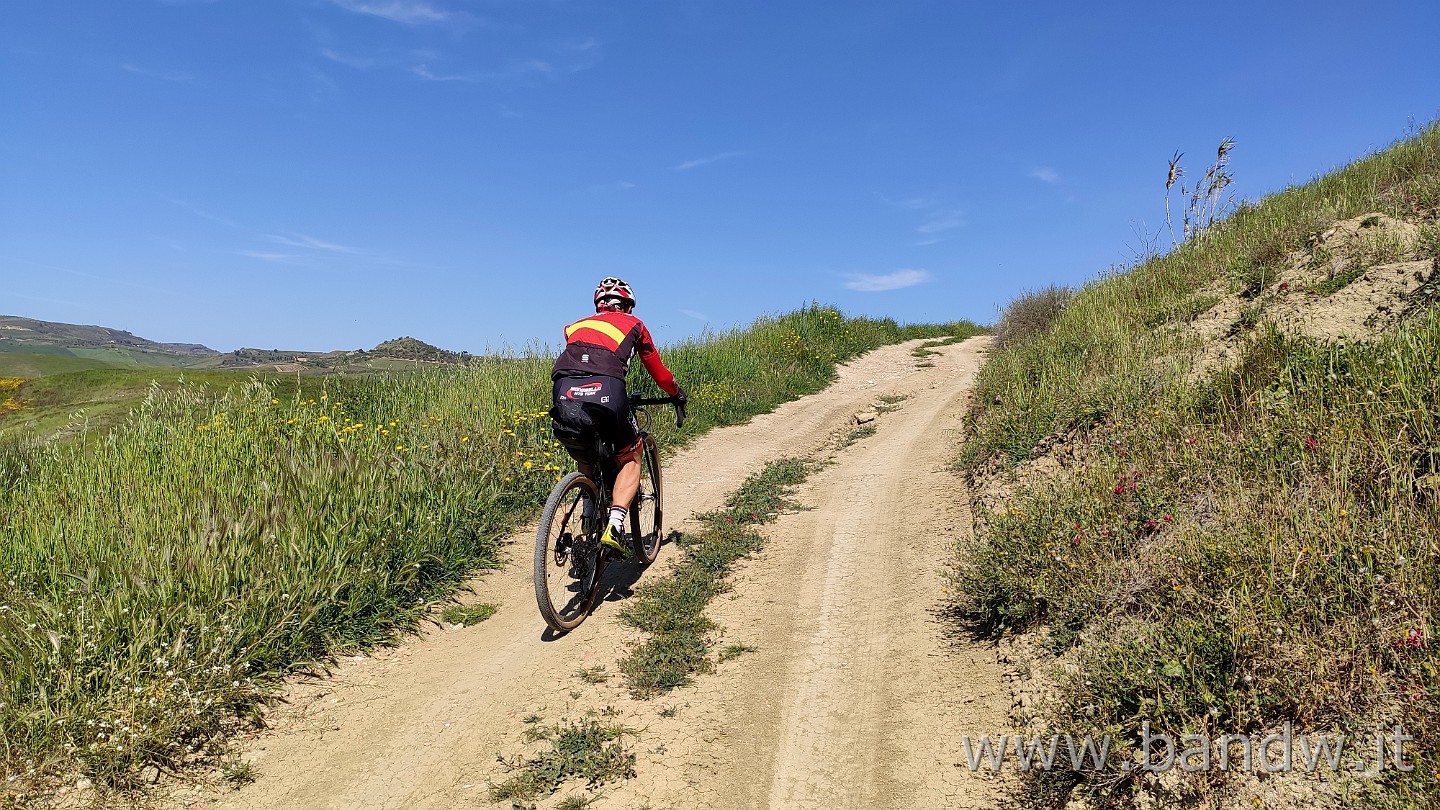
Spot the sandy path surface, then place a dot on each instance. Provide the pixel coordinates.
(855, 696)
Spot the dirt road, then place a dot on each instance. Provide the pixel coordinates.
(855, 695)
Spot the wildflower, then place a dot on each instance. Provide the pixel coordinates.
(1311, 444)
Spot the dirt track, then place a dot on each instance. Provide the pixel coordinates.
(855, 697)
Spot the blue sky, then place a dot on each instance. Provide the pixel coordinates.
(318, 174)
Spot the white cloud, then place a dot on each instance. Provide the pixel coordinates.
(206, 214)
(278, 258)
(1044, 174)
(884, 282)
(911, 203)
(618, 185)
(691, 164)
(357, 62)
(699, 316)
(410, 12)
(300, 240)
(178, 78)
(942, 220)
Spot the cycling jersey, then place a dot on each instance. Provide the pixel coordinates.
(604, 343)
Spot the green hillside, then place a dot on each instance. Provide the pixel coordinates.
(1209, 491)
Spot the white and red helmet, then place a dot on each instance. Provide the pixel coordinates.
(613, 289)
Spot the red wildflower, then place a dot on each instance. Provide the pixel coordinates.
(1311, 444)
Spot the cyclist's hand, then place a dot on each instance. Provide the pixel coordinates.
(681, 397)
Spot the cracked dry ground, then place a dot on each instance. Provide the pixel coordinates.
(856, 695)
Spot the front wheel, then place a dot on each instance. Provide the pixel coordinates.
(646, 515)
(568, 562)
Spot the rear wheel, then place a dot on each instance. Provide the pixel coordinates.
(646, 515)
(568, 562)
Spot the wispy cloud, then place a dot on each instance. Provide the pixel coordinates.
(942, 220)
(203, 214)
(348, 60)
(300, 240)
(278, 258)
(884, 282)
(911, 203)
(518, 72)
(691, 164)
(163, 75)
(936, 216)
(44, 300)
(409, 12)
(618, 185)
(699, 316)
(1044, 174)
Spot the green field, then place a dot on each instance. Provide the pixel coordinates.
(164, 573)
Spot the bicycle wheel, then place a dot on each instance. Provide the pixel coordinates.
(645, 511)
(568, 562)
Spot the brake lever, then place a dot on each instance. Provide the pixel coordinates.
(679, 415)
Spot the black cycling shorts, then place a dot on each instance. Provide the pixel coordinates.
(587, 408)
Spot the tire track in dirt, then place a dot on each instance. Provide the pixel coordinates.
(854, 697)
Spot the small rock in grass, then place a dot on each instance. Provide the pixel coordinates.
(863, 418)
(150, 775)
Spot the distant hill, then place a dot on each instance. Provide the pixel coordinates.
(33, 348)
(409, 348)
(101, 344)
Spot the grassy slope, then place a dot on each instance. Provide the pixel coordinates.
(96, 399)
(1258, 547)
(31, 365)
(159, 577)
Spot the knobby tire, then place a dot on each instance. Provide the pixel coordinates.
(553, 579)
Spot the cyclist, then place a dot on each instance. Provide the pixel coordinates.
(590, 397)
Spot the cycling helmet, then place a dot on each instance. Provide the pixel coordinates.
(614, 289)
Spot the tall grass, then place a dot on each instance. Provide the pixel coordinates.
(158, 578)
(1228, 555)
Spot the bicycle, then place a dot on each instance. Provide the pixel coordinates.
(569, 560)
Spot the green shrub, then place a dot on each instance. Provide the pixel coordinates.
(1030, 314)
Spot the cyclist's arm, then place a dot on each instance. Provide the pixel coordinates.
(650, 356)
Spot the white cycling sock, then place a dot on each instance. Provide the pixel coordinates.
(617, 517)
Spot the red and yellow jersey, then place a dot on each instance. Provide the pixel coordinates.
(604, 343)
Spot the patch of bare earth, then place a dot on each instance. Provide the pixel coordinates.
(855, 695)
(1354, 280)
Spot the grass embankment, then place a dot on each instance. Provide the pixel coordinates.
(1257, 547)
(158, 577)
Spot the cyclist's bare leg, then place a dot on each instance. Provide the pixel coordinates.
(627, 483)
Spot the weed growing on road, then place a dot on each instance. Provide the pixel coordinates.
(593, 675)
(734, 651)
(855, 435)
(466, 615)
(672, 609)
(578, 749)
(890, 402)
(237, 772)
